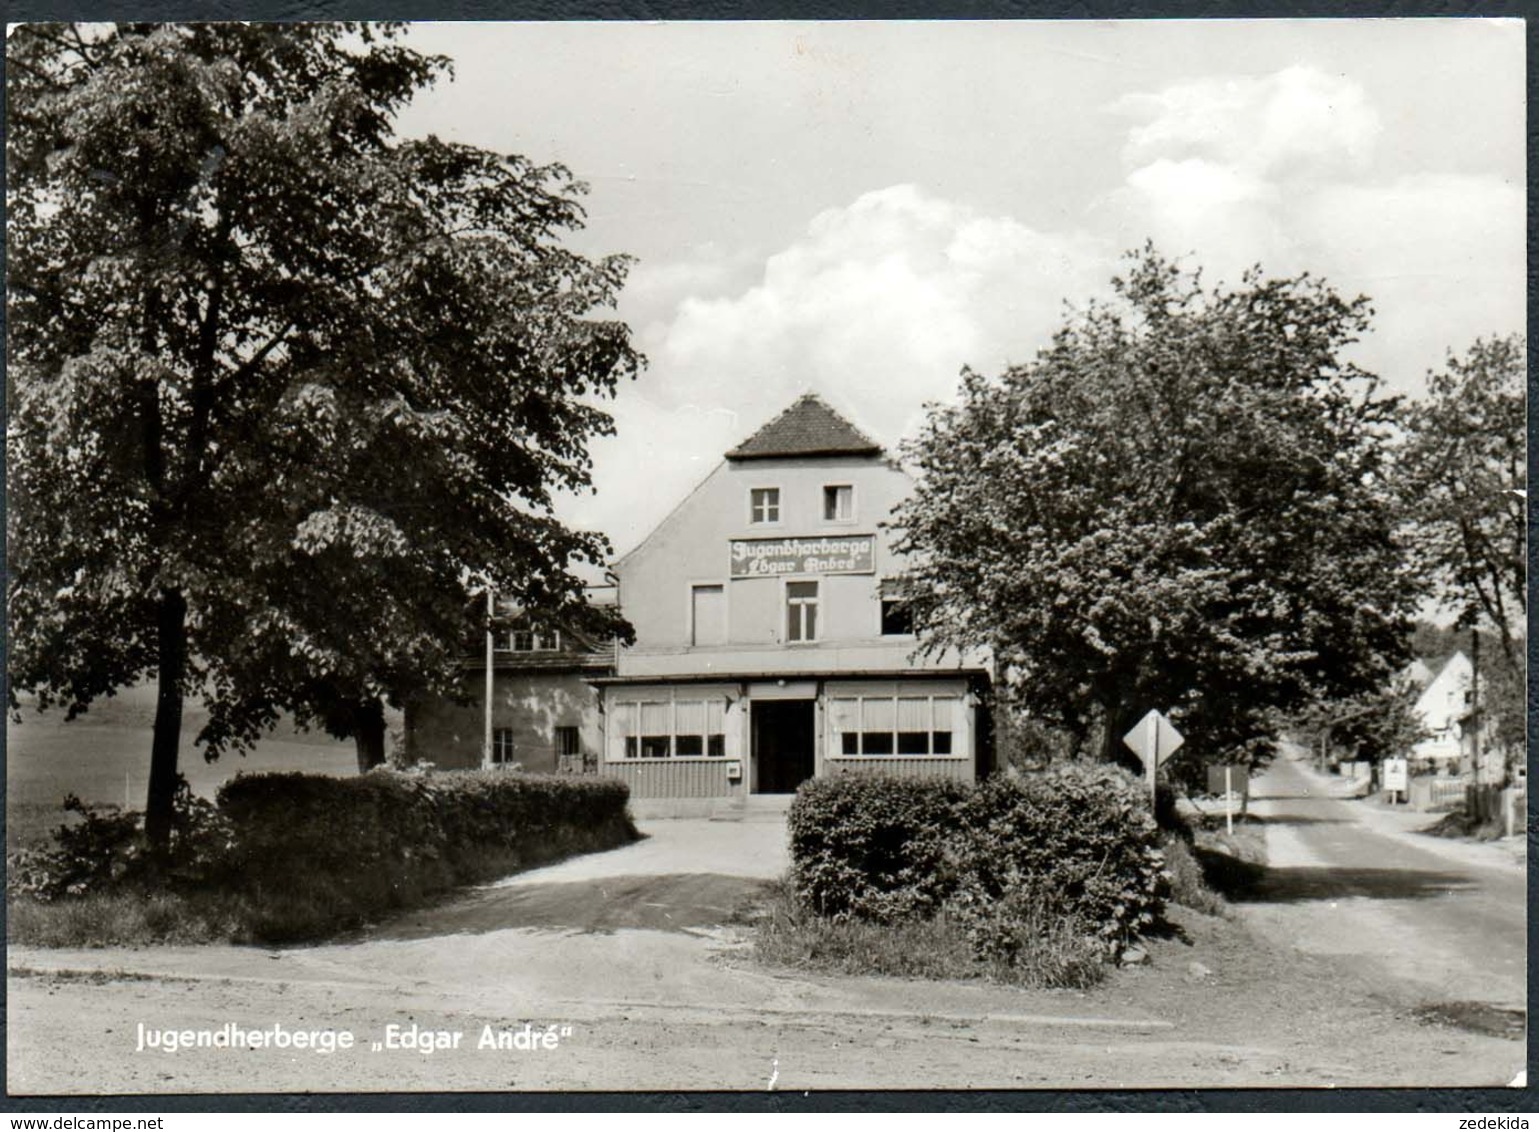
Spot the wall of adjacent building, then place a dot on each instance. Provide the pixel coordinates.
(450, 735)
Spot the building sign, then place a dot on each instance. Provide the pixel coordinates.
(772, 557)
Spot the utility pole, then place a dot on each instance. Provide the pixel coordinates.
(486, 738)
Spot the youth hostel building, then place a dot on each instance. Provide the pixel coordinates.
(770, 645)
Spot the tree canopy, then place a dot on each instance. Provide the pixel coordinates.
(1466, 483)
(1464, 475)
(1181, 504)
(285, 392)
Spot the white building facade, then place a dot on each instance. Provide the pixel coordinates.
(1441, 707)
(771, 645)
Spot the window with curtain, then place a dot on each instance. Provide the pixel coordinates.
(675, 728)
(916, 726)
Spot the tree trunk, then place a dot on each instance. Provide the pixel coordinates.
(171, 649)
(1116, 720)
(369, 735)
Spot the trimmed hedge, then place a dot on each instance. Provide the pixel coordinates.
(1079, 837)
(1006, 858)
(872, 846)
(386, 840)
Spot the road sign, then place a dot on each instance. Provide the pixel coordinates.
(1219, 784)
(1153, 735)
(1395, 775)
(1153, 740)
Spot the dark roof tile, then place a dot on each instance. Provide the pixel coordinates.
(808, 428)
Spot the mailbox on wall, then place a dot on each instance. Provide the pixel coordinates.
(735, 771)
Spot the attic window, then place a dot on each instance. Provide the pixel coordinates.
(838, 503)
(764, 505)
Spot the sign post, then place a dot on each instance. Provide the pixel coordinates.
(1231, 785)
(1229, 799)
(1153, 739)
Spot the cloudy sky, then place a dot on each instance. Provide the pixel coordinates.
(861, 209)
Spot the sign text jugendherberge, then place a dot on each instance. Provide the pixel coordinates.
(769, 557)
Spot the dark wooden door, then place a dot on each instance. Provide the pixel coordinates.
(783, 738)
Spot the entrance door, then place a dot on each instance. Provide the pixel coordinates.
(783, 737)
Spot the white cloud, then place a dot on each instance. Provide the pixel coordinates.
(885, 300)
(1293, 124)
(1227, 217)
(658, 455)
(1278, 170)
(654, 290)
(1442, 256)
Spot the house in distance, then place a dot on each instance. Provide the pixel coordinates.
(771, 643)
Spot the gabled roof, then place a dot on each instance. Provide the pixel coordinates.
(808, 428)
(1418, 673)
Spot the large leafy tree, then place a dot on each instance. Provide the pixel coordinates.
(1179, 504)
(286, 393)
(1465, 478)
(1466, 481)
(1371, 726)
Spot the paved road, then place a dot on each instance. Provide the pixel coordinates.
(1418, 911)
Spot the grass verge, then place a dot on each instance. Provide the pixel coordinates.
(323, 907)
(1230, 863)
(125, 920)
(1209, 865)
(296, 858)
(1458, 824)
(788, 935)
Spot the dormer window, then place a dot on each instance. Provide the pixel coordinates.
(838, 503)
(523, 637)
(764, 505)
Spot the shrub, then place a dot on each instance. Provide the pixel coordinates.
(338, 850)
(790, 934)
(100, 849)
(296, 856)
(1079, 838)
(1052, 953)
(1049, 871)
(873, 846)
(104, 851)
(1188, 883)
(1030, 934)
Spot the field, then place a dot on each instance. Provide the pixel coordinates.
(104, 757)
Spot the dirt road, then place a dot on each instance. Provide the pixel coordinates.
(1445, 923)
(622, 953)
